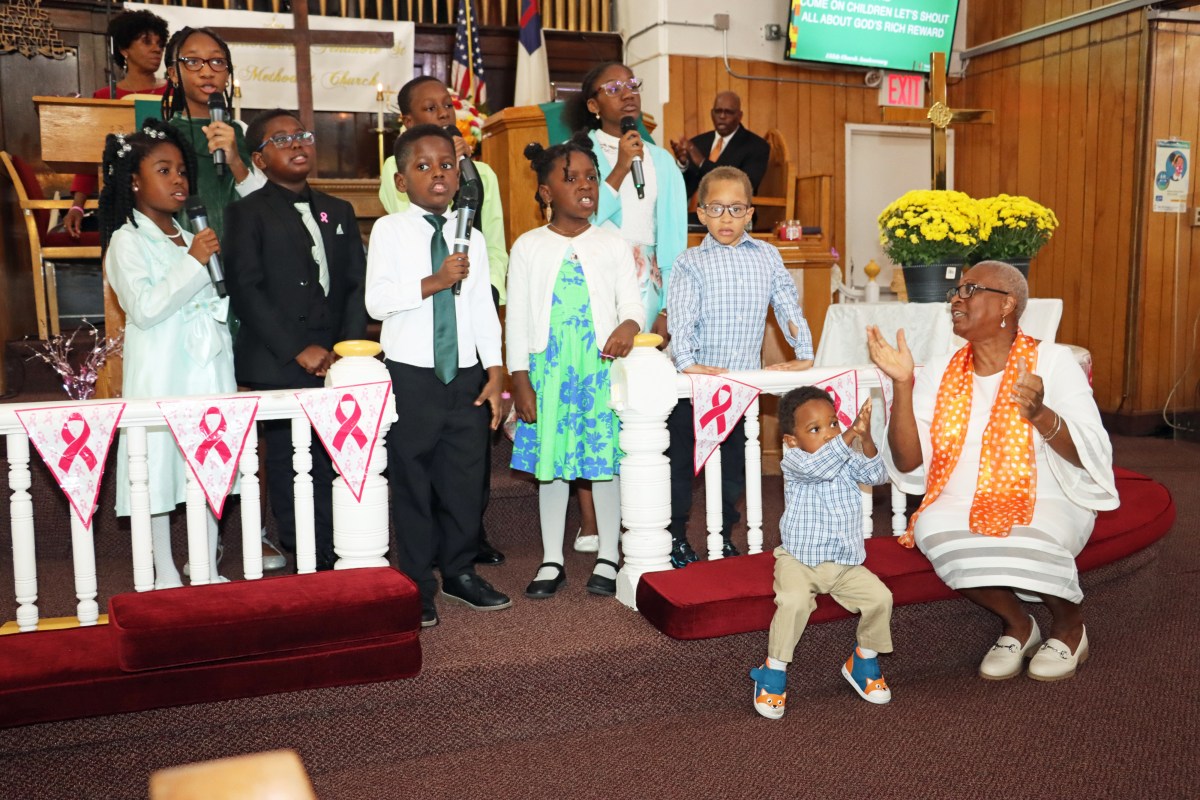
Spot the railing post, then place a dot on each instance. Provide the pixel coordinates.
(20, 511)
(360, 528)
(714, 519)
(754, 502)
(196, 516)
(83, 554)
(141, 540)
(252, 563)
(899, 506)
(643, 394)
(306, 536)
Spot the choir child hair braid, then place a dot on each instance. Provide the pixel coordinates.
(123, 155)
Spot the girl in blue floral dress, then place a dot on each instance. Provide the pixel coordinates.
(570, 287)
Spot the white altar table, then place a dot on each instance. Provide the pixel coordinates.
(926, 326)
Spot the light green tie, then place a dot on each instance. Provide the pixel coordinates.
(445, 321)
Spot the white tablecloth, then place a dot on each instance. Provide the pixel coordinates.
(926, 327)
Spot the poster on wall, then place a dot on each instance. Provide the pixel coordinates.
(1172, 175)
(344, 78)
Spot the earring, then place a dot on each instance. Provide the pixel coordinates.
(1003, 323)
(135, 188)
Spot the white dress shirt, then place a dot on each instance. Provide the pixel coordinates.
(637, 215)
(397, 261)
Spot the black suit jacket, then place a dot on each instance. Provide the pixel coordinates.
(747, 151)
(273, 284)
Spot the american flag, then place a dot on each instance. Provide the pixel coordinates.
(467, 74)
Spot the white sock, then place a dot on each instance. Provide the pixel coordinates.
(773, 663)
(866, 652)
(552, 508)
(165, 572)
(607, 497)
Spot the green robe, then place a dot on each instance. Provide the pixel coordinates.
(215, 192)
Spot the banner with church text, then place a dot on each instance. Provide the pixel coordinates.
(718, 403)
(211, 435)
(344, 78)
(843, 389)
(74, 442)
(347, 419)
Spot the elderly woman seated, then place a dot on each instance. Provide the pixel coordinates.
(1005, 440)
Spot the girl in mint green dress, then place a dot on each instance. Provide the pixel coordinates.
(571, 287)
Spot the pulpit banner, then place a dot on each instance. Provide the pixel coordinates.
(74, 443)
(843, 389)
(211, 435)
(347, 420)
(889, 391)
(718, 403)
(344, 78)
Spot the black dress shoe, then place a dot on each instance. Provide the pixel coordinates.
(728, 550)
(488, 556)
(598, 584)
(474, 592)
(540, 590)
(429, 617)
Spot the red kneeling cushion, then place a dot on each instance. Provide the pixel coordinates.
(198, 624)
(736, 595)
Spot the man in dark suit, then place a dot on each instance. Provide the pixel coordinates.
(295, 269)
(729, 145)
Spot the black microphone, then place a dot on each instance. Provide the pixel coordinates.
(466, 167)
(199, 219)
(639, 177)
(217, 112)
(468, 201)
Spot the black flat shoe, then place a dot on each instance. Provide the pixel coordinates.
(488, 556)
(728, 550)
(541, 590)
(474, 592)
(598, 584)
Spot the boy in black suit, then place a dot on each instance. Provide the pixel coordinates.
(295, 270)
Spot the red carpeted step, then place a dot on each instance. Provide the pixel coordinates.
(735, 595)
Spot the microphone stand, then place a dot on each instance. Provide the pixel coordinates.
(108, 52)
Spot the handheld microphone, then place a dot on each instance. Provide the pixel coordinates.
(468, 201)
(466, 167)
(218, 112)
(198, 216)
(639, 177)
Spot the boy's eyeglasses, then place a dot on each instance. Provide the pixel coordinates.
(285, 139)
(614, 88)
(737, 210)
(193, 63)
(968, 290)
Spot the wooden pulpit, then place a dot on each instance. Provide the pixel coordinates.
(73, 130)
(505, 136)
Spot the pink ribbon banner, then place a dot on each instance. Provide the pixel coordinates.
(211, 434)
(718, 402)
(347, 420)
(74, 442)
(843, 388)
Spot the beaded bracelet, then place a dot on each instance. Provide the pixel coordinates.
(1054, 431)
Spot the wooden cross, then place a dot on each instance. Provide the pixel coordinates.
(302, 38)
(939, 116)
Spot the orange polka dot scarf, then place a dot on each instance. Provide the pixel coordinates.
(1005, 492)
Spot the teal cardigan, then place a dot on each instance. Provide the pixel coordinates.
(670, 211)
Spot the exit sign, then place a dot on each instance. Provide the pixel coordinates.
(902, 90)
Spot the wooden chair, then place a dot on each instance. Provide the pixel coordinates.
(776, 198)
(45, 247)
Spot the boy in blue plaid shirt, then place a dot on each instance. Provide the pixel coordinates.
(717, 310)
(822, 550)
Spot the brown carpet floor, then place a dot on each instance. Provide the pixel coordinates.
(580, 697)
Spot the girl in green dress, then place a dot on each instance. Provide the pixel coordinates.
(570, 287)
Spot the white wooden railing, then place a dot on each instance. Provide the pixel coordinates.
(645, 389)
(360, 528)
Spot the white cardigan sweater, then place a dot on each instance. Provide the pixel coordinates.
(533, 268)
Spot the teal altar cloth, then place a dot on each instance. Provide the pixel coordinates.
(557, 130)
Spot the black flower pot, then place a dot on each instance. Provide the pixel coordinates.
(928, 283)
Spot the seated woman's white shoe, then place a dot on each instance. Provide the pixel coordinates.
(272, 558)
(168, 582)
(1055, 661)
(1008, 655)
(586, 544)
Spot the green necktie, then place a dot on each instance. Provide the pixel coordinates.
(445, 322)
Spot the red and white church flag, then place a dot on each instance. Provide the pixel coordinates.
(347, 419)
(843, 389)
(211, 435)
(74, 442)
(718, 403)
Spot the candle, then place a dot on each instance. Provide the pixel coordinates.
(237, 100)
(379, 122)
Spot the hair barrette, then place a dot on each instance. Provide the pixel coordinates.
(125, 146)
(154, 134)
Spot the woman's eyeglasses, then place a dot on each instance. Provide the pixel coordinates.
(285, 139)
(967, 290)
(193, 63)
(614, 88)
(737, 211)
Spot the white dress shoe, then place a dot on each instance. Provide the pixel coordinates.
(1008, 655)
(586, 544)
(1055, 661)
(273, 560)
